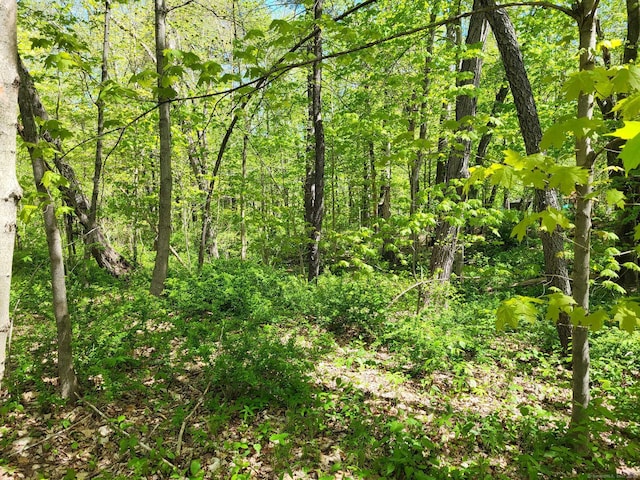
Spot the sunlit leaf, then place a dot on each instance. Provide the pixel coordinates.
(627, 314)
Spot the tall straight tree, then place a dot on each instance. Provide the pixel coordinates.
(10, 192)
(30, 110)
(166, 175)
(552, 242)
(314, 185)
(457, 166)
(586, 16)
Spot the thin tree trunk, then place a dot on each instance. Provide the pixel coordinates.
(243, 223)
(10, 191)
(97, 172)
(29, 132)
(586, 17)
(446, 240)
(104, 254)
(315, 180)
(552, 243)
(166, 176)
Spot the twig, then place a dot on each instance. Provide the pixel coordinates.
(184, 422)
(50, 436)
(123, 432)
(401, 294)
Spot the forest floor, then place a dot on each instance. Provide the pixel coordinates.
(309, 404)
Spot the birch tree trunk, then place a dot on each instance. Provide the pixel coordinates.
(10, 192)
(166, 175)
(29, 132)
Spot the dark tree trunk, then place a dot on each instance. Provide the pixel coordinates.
(97, 171)
(444, 248)
(101, 250)
(314, 189)
(552, 243)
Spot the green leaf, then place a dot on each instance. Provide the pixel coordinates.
(559, 303)
(631, 266)
(520, 230)
(596, 319)
(630, 130)
(552, 218)
(579, 82)
(627, 314)
(26, 212)
(554, 136)
(630, 154)
(51, 179)
(611, 285)
(565, 177)
(195, 468)
(615, 197)
(516, 309)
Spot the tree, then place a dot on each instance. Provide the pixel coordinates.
(586, 17)
(10, 191)
(457, 166)
(314, 186)
(30, 110)
(552, 242)
(101, 249)
(166, 174)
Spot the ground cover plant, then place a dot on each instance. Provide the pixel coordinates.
(319, 239)
(237, 373)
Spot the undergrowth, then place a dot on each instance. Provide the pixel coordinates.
(231, 356)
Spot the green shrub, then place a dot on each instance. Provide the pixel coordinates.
(355, 306)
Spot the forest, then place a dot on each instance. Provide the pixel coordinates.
(319, 239)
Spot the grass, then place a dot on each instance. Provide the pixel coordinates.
(244, 371)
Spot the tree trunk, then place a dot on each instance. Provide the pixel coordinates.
(243, 223)
(552, 243)
(29, 132)
(10, 192)
(315, 178)
(97, 171)
(443, 254)
(104, 254)
(166, 176)
(586, 12)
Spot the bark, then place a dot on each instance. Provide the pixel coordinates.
(365, 207)
(243, 224)
(625, 223)
(94, 238)
(452, 40)
(29, 132)
(555, 263)
(443, 254)
(586, 17)
(97, 170)
(485, 140)
(10, 191)
(633, 32)
(315, 178)
(166, 176)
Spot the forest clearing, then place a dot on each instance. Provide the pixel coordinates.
(319, 240)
